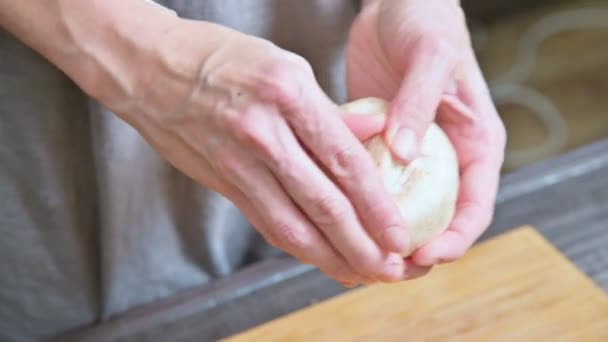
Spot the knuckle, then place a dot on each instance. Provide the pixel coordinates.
(343, 161)
(290, 238)
(329, 210)
(440, 44)
(251, 128)
(281, 82)
(501, 136)
(244, 124)
(492, 139)
(300, 63)
(493, 132)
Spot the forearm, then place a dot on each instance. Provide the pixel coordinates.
(110, 48)
(88, 40)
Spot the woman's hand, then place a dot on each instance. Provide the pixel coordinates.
(417, 54)
(237, 114)
(240, 116)
(255, 126)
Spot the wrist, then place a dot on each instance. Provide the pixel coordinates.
(94, 42)
(112, 55)
(104, 47)
(144, 64)
(169, 68)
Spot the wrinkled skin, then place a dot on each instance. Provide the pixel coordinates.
(254, 125)
(417, 55)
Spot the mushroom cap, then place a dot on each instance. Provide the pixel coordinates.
(426, 189)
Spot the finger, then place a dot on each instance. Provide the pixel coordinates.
(364, 127)
(474, 211)
(426, 74)
(345, 275)
(317, 123)
(318, 197)
(414, 271)
(481, 158)
(278, 220)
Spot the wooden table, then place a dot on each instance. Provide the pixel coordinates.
(515, 287)
(565, 198)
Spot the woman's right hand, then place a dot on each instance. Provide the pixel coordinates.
(247, 119)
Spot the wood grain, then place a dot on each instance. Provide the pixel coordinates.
(515, 287)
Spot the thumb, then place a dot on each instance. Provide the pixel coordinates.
(426, 76)
(364, 127)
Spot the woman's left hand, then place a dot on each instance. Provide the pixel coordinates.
(417, 54)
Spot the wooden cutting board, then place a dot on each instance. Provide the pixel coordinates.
(515, 287)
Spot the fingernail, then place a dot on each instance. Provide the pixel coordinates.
(394, 269)
(413, 271)
(396, 239)
(404, 143)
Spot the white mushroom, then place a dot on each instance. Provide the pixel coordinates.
(426, 188)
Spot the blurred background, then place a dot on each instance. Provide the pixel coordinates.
(547, 65)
